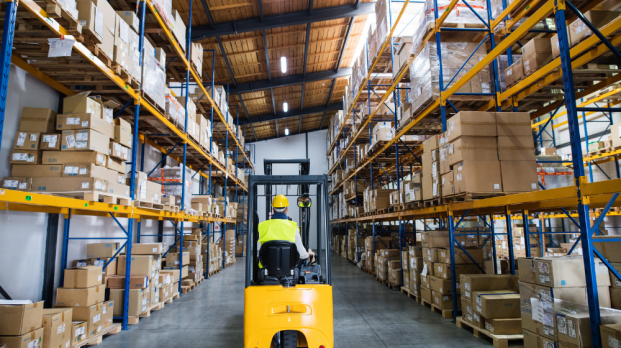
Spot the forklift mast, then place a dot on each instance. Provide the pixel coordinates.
(304, 169)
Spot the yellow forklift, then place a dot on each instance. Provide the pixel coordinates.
(288, 302)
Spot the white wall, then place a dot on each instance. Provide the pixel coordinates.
(293, 147)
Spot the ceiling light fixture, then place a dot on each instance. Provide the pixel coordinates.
(285, 106)
(283, 64)
(286, 131)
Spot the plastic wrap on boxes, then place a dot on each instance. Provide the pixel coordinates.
(168, 175)
(503, 64)
(461, 14)
(176, 112)
(164, 7)
(425, 75)
(70, 6)
(154, 80)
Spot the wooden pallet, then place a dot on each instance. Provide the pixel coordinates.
(99, 53)
(171, 207)
(432, 202)
(406, 291)
(148, 205)
(499, 341)
(93, 196)
(158, 306)
(125, 75)
(446, 313)
(97, 339)
(63, 17)
(187, 288)
(470, 196)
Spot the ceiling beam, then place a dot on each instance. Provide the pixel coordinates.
(241, 100)
(292, 113)
(208, 13)
(351, 24)
(261, 12)
(253, 132)
(327, 103)
(226, 60)
(304, 132)
(273, 101)
(276, 123)
(289, 80)
(200, 32)
(267, 53)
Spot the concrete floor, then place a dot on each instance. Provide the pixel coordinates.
(366, 314)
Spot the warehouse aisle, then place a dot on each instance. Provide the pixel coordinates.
(366, 314)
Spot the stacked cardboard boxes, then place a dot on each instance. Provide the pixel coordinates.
(388, 265)
(83, 291)
(545, 281)
(516, 152)
(21, 324)
(431, 169)
(415, 267)
(491, 302)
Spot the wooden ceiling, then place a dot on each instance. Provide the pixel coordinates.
(246, 55)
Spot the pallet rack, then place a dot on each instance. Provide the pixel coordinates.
(154, 130)
(566, 202)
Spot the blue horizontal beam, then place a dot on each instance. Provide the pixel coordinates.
(200, 32)
(292, 113)
(289, 80)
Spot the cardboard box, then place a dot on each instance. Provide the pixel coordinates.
(574, 327)
(37, 120)
(472, 148)
(497, 304)
(138, 301)
(443, 270)
(513, 124)
(84, 140)
(49, 142)
(519, 176)
(27, 340)
(110, 270)
(63, 157)
(82, 277)
(611, 335)
(91, 121)
(507, 326)
(130, 18)
(514, 73)
(25, 157)
(17, 183)
(123, 132)
(444, 256)
(135, 282)
(140, 265)
(37, 170)
(516, 148)
(426, 294)
(91, 170)
(91, 316)
(526, 267)
(567, 271)
(107, 311)
(27, 141)
(486, 282)
(116, 164)
(576, 295)
(477, 176)
(78, 332)
(172, 259)
(578, 31)
(472, 123)
(68, 184)
(435, 239)
(101, 250)
(442, 301)
(19, 319)
(119, 152)
(57, 327)
(148, 248)
(442, 286)
(535, 54)
(80, 297)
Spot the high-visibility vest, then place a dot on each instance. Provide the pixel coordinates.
(277, 229)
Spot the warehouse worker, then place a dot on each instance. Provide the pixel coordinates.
(279, 227)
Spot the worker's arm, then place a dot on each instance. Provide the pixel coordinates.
(300, 246)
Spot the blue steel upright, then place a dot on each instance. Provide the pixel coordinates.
(580, 179)
(8, 32)
(226, 177)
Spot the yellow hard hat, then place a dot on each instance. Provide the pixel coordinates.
(280, 201)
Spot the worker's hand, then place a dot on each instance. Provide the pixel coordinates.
(311, 255)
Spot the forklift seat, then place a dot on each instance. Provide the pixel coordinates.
(278, 259)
